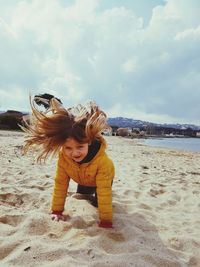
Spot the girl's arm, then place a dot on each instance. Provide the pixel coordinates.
(104, 179)
(61, 185)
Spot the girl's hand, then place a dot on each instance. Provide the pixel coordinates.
(57, 216)
(104, 224)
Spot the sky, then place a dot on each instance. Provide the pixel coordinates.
(136, 59)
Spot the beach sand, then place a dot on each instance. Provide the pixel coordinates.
(155, 201)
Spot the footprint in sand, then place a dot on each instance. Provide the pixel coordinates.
(118, 237)
(7, 249)
(14, 199)
(79, 223)
(130, 193)
(11, 199)
(155, 192)
(194, 261)
(12, 220)
(176, 243)
(119, 243)
(144, 206)
(37, 224)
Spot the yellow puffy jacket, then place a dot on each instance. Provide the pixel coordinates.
(98, 172)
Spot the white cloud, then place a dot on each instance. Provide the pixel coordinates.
(191, 34)
(79, 52)
(130, 65)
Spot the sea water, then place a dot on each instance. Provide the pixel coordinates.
(185, 144)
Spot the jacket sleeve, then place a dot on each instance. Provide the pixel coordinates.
(61, 185)
(104, 179)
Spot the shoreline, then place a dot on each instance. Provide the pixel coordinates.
(179, 144)
(155, 204)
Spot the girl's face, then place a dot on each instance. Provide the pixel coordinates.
(75, 150)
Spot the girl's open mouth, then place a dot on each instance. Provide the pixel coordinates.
(77, 158)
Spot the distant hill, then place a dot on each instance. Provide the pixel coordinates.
(127, 122)
(10, 120)
(6, 117)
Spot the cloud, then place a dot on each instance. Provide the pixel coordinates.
(145, 69)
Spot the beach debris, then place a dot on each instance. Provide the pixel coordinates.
(27, 248)
(145, 167)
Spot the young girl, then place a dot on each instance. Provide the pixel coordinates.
(75, 134)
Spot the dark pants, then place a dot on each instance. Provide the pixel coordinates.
(88, 190)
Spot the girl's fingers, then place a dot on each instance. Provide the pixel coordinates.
(57, 218)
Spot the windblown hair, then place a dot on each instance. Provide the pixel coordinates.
(49, 130)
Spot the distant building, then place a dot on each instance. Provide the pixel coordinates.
(123, 131)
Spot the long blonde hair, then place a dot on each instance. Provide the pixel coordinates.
(49, 130)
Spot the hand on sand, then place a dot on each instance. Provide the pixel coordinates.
(58, 216)
(105, 224)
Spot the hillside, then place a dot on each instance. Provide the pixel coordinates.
(134, 123)
(11, 118)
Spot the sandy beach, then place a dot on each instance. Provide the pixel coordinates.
(155, 201)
